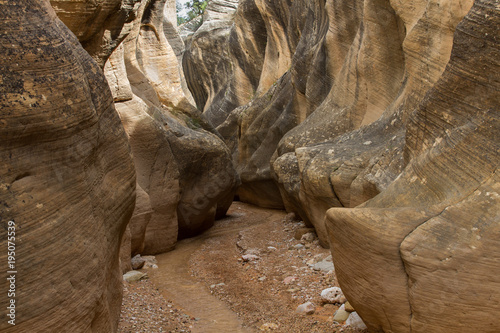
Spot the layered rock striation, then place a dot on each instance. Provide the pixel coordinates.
(426, 248)
(315, 105)
(363, 106)
(99, 25)
(67, 179)
(184, 170)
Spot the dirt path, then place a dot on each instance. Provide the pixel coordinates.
(175, 281)
(246, 274)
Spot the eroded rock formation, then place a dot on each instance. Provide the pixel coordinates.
(184, 169)
(316, 103)
(66, 177)
(427, 248)
(99, 25)
(331, 104)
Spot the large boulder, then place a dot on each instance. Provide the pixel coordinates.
(66, 177)
(423, 255)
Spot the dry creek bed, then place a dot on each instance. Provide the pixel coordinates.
(249, 273)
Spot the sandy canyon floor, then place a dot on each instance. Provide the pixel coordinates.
(246, 274)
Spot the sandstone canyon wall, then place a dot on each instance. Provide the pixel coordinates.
(363, 104)
(185, 174)
(66, 177)
(386, 110)
(99, 25)
(429, 242)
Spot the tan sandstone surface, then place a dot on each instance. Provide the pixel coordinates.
(374, 121)
(376, 99)
(66, 177)
(183, 167)
(431, 236)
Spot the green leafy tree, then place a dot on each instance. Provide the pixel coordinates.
(194, 7)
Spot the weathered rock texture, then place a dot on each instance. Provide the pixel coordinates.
(99, 25)
(66, 177)
(393, 56)
(207, 53)
(184, 170)
(424, 254)
(316, 101)
(331, 104)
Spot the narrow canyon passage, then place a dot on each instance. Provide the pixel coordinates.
(248, 273)
(375, 121)
(175, 281)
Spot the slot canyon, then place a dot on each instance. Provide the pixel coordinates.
(265, 165)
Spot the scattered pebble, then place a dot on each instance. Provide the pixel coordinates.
(134, 276)
(308, 308)
(341, 314)
(333, 295)
(137, 262)
(249, 257)
(309, 237)
(348, 307)
(217, 285)
(150, 262)
(144, 310)
(290, 279)
(302, 231)
(269, 327)
(355, 321)
(325, 265)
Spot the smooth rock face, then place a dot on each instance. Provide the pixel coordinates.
(207, 62)
(315, 105)
(184, 170)
(66, 176)
(363, 105)
(351, 147)
(424, 253)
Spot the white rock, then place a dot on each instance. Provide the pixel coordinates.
(324, 266)
(307, 308)
(249, 257)
(137, 262)
(333, 295)
(255, 252)
(355, 321)
(309, 237)
(133, 276)
(269, 327)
